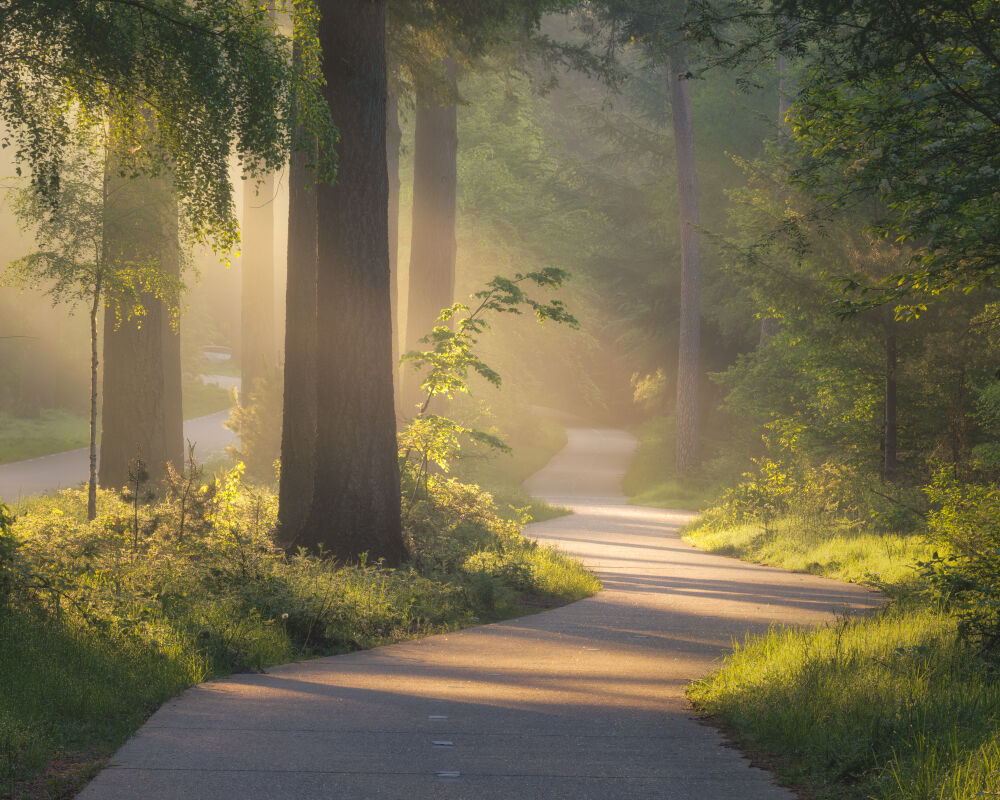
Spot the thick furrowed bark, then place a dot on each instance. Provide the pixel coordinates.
(355, 507)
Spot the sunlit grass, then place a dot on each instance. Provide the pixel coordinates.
(52, 431)
(890, 707)
(822, 546)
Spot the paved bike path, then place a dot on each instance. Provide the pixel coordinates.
(583, 702)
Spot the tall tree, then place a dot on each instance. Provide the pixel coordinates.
(688, 361)
(394, 140)
(141, 412)
(355, 507)
(435, 186)
(258, 355)
(298, 427)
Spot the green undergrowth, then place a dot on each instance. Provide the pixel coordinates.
(56, 430)
(893, 707)
(101, 621)
(823, 546)
(648, 481)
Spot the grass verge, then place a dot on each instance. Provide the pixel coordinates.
(56, 430)
(890, 706)
(835, 549)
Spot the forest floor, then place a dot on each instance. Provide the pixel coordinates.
(584, 701)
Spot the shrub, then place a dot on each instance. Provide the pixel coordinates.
(965, 571)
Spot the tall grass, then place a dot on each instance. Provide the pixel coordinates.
(820, 545)
(891, 707)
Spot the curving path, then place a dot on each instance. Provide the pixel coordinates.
(583, 702)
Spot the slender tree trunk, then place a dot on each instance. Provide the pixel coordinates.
(95, 307)
(687, 184)
(298, 428)
(432, 246)
(355, 508)
(393, 137)
(257, 348)
(173, 383)
(140, 411)
(890, 427)
(769, 326)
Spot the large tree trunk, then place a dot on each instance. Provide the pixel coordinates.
(393, 139)
(257, 350)
(142, 381)
(298, 428)
(355, 507)
(687, 187)
(890, 426)
(432, 245)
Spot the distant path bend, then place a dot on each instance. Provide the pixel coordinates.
(583, 702)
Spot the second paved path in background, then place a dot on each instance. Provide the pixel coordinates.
(583, 702)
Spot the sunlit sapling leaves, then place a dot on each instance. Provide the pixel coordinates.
(450, 361)
(452, 356)
(216, 71)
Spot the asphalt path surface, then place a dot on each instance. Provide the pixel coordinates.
(583, 702)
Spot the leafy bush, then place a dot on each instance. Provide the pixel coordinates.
(965, 571)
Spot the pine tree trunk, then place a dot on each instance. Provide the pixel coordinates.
(432, 245)
(298, 428)
(355, 508)
(141, 410)
(257, 349)
(687, 185)
(890, 426)
(394, 137)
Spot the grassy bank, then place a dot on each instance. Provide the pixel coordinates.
(894, 707)
(891, 706)
(56, 430)
(822, 546)
(100, 622)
